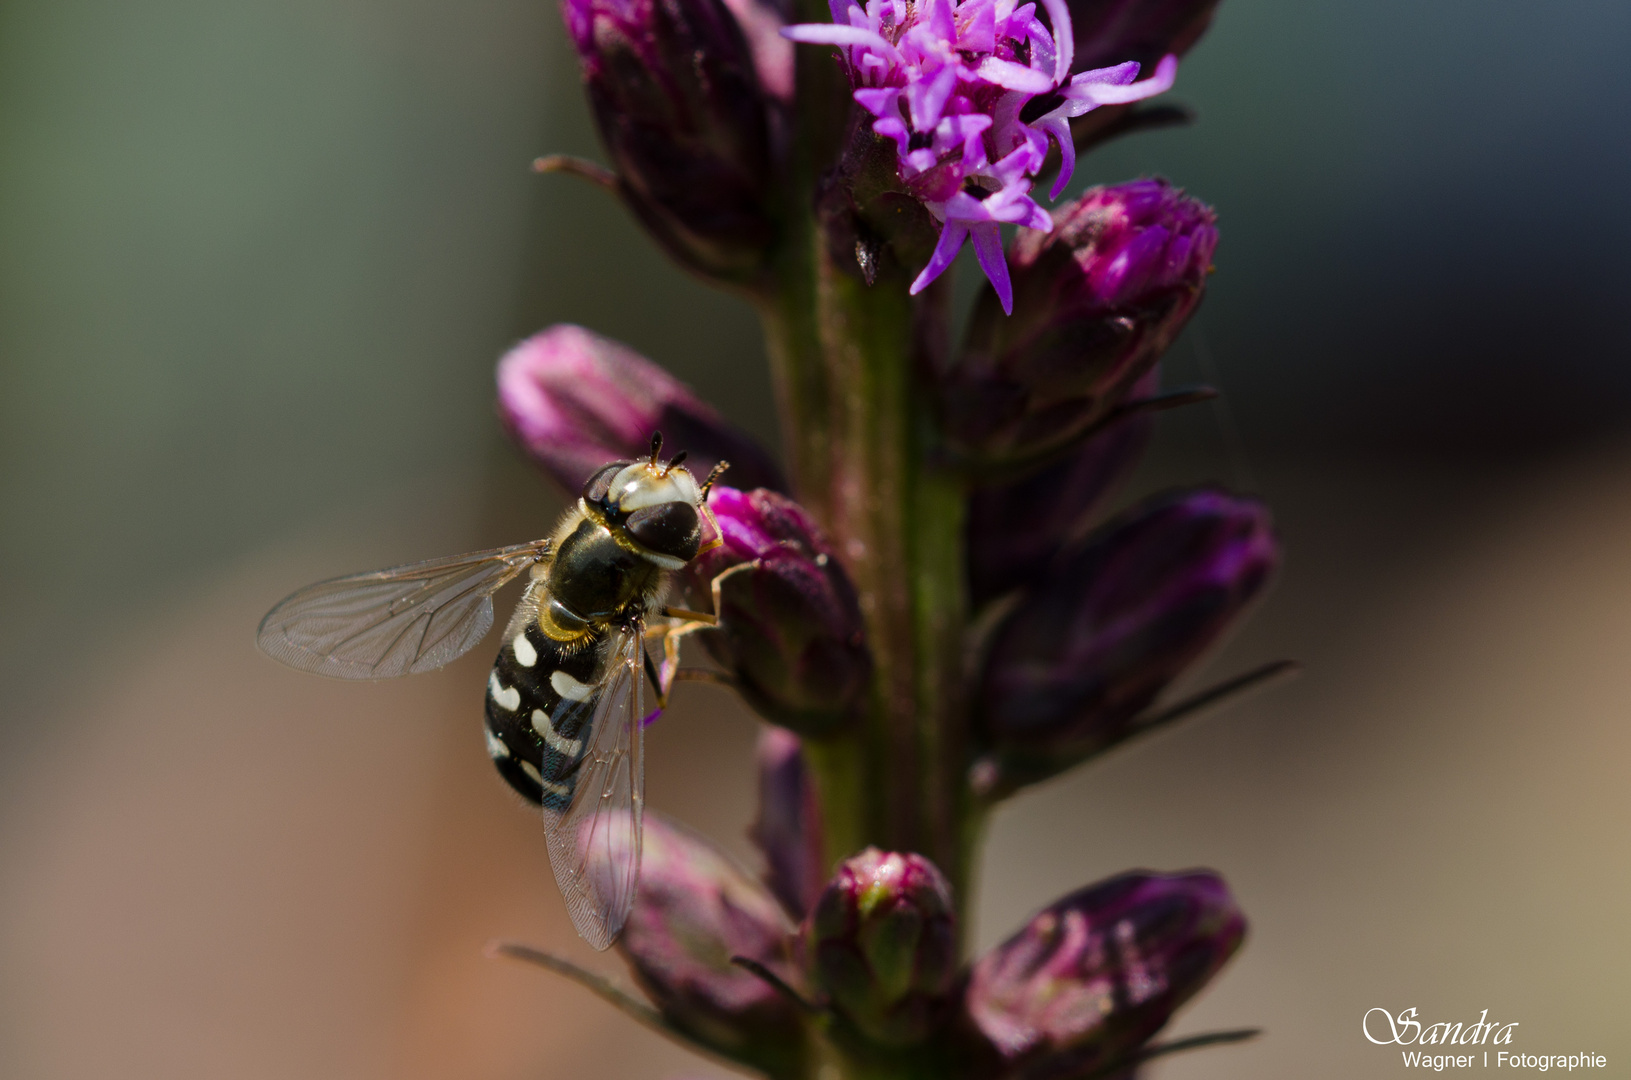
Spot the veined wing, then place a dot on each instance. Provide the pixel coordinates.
(392, 622)
(594, 846)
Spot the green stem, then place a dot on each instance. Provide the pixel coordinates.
(845, 357)
(935, 519)
(866, 342)
(861, 442)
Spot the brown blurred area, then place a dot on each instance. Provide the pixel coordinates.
(222, 868)
(256, 263)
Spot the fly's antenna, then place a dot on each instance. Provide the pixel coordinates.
(713, 474)
(675, 460)
(656, 445)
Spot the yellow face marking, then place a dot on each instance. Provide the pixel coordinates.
(643, 484)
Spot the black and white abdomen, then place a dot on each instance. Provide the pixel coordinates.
(540, 699)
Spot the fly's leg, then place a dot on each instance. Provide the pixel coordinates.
(701, 618)
(663, 676)
(665, 673)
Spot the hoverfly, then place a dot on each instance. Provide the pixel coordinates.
(565, 713)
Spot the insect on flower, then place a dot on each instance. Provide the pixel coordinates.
(565, 718)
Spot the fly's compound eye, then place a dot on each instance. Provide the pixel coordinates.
(600, 484)
(669, 528)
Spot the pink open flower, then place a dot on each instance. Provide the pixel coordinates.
(947, 82)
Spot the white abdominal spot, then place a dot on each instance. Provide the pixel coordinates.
(558, 743)
(569, 688)
(496, 748)
(525, 654)
(508, 699)
(532, 771)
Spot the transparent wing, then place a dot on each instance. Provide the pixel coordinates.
(594, 847)
(392, 622)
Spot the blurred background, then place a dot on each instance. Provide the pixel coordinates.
(256, 264)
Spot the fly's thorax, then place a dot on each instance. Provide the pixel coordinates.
(595, 577)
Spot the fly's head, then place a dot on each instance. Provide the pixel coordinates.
(657, 506)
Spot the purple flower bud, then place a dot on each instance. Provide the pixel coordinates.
(1016, 529)
(695, 910)
(788, 828)
(882, 943)
(1089, 979)
(1096, 302)
(790, 621)
(1119, 618)
(674, 91)
(575, 400)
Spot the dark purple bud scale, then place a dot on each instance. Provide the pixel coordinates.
(1092, 977)
(695, 910)
(575, 401)
(1142, 30)
(675, 94)
(761, 22)
(1015, 530)
(1096, 302)
(790, 620)
(1117, 620)
(788, 827)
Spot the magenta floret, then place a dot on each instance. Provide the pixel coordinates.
(948, 84)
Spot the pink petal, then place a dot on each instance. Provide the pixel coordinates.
(1043, 53)
(1064, 39)
(965, 209)
(988, 249)
(1023, 160)
(1059, 128)
(1039, 218)
(1159, 83)
(892, 127)
(878, 102)
(1012, 76)
(952, 235)
(977, 32)
(927, 100)
(825, 34)
(1117, 75)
